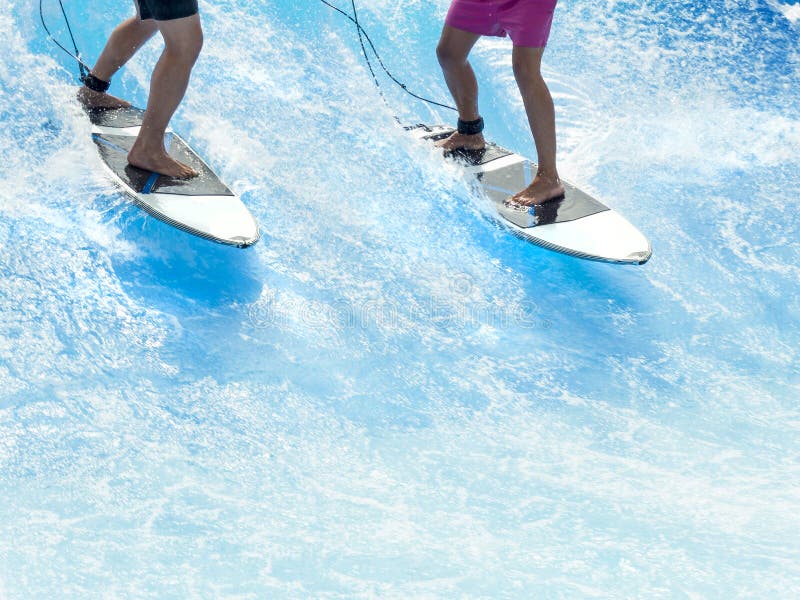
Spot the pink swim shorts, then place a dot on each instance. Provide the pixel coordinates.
(527, 22)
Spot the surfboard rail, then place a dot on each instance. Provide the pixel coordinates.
(578, 225)
(202, 206)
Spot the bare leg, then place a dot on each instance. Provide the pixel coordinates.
(453, 49)
(541, 117)
(183, 40)
(127, 38)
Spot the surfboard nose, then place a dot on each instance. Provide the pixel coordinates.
(640, 257)
(223, 219)
(203, 205)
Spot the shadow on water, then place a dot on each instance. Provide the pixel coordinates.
(562, 274)
(172, 268)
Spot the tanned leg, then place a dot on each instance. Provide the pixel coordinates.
(453, 49)
(183, 40)
(127, 38)
(541, 117)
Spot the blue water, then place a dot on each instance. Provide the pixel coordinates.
(388, 397)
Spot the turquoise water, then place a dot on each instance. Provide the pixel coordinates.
(388, 397)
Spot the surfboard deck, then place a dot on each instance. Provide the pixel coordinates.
(578, 225)
(203, 206)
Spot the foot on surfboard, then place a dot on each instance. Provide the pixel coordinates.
(161, 163)
(92, 100)
(203, 206)
(542, 190)
(461, 141)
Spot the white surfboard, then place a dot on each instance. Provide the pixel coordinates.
(202, 206)
(578, 224)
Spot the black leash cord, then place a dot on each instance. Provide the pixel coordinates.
(361, 32)
(82, 66)
(363, 49)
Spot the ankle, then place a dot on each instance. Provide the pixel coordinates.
(548, 175)
(472, 127)
(95, 84)
(140, 148)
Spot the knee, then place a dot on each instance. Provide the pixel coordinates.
(447, 57)
(195, 46)
(525, 69)
(186, 49)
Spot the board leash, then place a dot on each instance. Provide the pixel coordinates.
(83, 68)
(363, 35)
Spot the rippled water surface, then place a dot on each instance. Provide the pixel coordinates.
(388, 396)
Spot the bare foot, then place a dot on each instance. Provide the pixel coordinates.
(543, 189)
(160, 162)
(91, 99)
(458, 141)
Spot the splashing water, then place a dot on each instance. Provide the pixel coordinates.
(388, 396)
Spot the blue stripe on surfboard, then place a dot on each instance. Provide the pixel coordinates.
(151, 181)
(99, 138)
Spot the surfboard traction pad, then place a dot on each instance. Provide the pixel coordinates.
(114, 152)
(500, 184)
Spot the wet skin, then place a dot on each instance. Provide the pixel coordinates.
(453, 52)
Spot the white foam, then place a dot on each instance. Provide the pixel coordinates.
(790, 10)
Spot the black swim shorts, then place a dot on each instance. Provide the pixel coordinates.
(166, 10)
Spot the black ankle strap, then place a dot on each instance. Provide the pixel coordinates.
(95, 84)
(470, 127)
